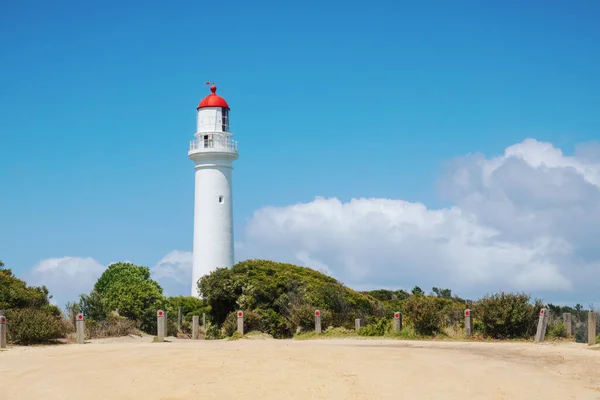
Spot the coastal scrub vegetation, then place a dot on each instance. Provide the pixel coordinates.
(278, 300)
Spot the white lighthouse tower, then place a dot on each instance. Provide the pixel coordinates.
(213, 152)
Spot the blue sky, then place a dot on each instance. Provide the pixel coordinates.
(333, 99)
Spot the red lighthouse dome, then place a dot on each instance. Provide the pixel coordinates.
(212, 100)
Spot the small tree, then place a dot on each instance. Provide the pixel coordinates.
(128, 288)
(507, 315)
(424, 313)
(417, 291)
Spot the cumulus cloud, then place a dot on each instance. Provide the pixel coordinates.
(68, 277)
(174, 273)
(526, 220)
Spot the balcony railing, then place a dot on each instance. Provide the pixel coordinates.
(214, 142)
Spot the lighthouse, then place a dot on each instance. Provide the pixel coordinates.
(213, 152)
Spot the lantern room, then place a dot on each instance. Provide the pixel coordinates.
(213, 113)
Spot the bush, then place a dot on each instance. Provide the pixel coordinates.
(252, 322)
(128, 288)
(287, 291)
(31, 325)
(507, 315)
(556, 328)
(272, 323)
(14, 292)
(424, 314)
(303, 316)
(379, 328)
(213, 332)
(113, 326)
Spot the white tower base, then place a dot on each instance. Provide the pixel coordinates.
(213, 208)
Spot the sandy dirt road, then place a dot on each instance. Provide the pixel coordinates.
(286, 369)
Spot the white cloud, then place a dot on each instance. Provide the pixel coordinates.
(174, 273)
(528, 220)
(66, 277)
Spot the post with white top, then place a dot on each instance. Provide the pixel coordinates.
(80, 325)
(317, 321)
(160, 326)
(195, 328)
(397, 321)
(240, 319)
(468, 323)
(540, 334)
(213, 152)
(592, 327)
(2, 332)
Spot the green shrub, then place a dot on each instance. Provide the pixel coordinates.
(507, 315)
(424, 314)
(379, 328)
(14, 293)
(92, 306)
(556, 329)
(303, 316)
(31, 325)
(213, 332)
(290, 291)
(252, 322)
(128, 288)
(272, 323)
(478, 327)
(453, 312)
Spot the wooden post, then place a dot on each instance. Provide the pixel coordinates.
(240, 327)
(317, 321)
(468, 323)
(568, 324)
(592, 328)
(204, 321)
(357, 324)
(195, 330)
(179, 318)
(542, 324)
(397, 321)
(160, 326)
(2, 332)
(80, 325)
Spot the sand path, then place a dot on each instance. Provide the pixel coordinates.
(287, 369)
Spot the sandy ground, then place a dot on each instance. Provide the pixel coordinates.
(345, 369)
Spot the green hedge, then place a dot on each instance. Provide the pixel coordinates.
(31, 325)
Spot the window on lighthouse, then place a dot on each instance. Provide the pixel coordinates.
(225, 119)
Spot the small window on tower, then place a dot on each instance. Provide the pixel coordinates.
(220, 199)
(225, 119)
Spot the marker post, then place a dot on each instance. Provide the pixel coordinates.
(80, 325)
(318, 321)
(240, 322)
